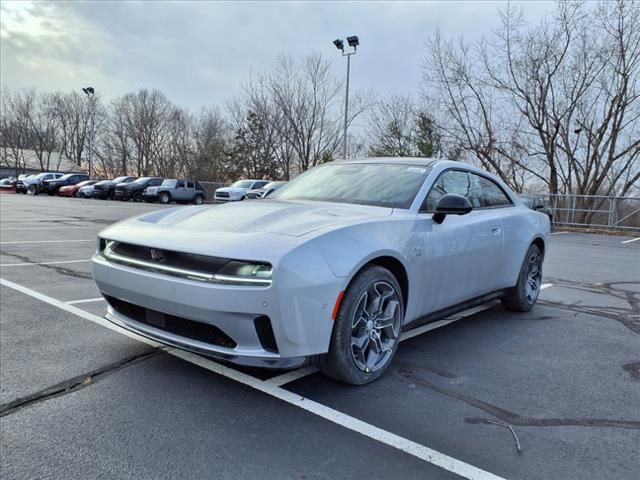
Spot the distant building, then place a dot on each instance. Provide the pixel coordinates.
(28, 163)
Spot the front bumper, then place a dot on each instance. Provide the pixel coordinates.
(300, 316)
(150, 197)
(122, 195)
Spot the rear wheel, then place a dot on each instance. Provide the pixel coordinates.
(367, 329)
(137, 197)
(198, 200)
(164, 198)
(524, 295)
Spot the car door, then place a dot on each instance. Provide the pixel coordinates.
(190, 191)
(179, 192)
(462, 253)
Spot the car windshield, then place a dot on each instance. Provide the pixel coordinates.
(119, 179)
(378, 184)
(243, 184)
(169, 183)
(65, 177)
(143, 180)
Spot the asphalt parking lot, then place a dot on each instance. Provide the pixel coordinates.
(82, 400)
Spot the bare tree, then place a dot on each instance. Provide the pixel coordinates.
(15, 132)
(558, 101)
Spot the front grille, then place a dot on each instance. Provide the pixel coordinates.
(199, 263)
(181, 326)
(222, 194)
(265, 333)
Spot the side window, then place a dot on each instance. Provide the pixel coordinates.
(451, 181)
(155, 182)
(180, 184)
(486, 193)
(190, 185)
(259, 184)
(199, 186)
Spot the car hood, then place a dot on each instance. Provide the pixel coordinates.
(232, 189)
(242, 219)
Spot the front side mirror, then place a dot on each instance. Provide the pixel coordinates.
(451, 204)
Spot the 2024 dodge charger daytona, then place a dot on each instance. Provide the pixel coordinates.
(330, 270)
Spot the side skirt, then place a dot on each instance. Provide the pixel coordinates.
(445, 312)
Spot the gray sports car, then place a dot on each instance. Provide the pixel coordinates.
(328, 271)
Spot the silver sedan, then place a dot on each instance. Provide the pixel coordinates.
(330, 270)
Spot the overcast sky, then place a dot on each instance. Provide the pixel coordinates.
(198, 53)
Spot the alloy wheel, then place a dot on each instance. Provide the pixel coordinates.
(534, 277)
(375, 326)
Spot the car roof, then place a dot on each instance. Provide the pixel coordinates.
(414, 161)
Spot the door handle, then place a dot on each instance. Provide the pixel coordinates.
(495, 229)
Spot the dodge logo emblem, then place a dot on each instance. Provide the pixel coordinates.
(157, 255)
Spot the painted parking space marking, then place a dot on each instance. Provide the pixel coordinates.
(66, 227)
(546, 285)
(86, 300)
(30, 264)
(46, 241)
(559, 233)
(390, 439)
(631, 240)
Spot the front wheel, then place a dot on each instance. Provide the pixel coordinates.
(524, 295)
(198, 200)
(164, 198)
(366, 332)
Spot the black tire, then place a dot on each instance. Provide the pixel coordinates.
(51, 193)
(198, 200)
(345, 361)
(164, 198)
(137, 197)
(524, 295)
(33, 189)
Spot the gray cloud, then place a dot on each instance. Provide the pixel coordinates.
(199, 53)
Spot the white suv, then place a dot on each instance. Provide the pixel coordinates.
(32, 184)
(238, 190)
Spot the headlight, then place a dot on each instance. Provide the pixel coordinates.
(245, 273)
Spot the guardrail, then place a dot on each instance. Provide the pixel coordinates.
(595, 211)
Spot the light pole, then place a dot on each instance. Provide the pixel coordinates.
(353, 41)
(90, 92)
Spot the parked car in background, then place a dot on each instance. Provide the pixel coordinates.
(20, 188)
(87, 191)
(32, 184)
(265, 191)
(537, 203)
(173, 190)
(134, 190)
(52, 186)
(72, 190)
(106, 188)
(238, 190)
(350, 254)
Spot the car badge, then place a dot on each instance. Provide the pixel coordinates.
(157, 255)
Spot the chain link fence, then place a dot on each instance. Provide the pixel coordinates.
(595, 212)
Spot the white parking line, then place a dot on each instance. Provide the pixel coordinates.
(66, 227)
(632, 240)
(546, 285)
(559, 233)
(86, 300)
(28, 264)
(410, 447)
(47, 241)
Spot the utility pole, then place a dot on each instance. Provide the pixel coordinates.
(353, 41)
